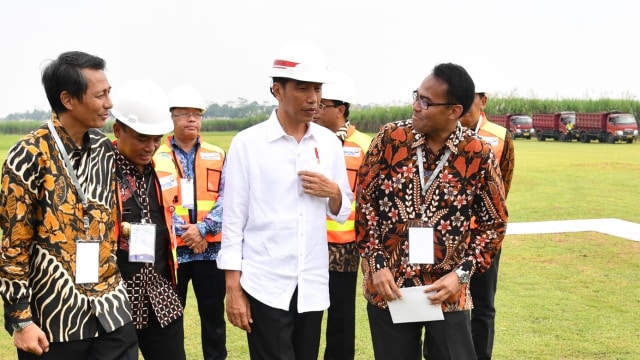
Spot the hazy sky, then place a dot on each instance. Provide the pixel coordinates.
(543, 48)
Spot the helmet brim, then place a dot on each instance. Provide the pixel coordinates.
(160, 128)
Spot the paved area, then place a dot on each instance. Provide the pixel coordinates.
(616, 227)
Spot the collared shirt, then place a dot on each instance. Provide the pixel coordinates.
(390, 196)
(341, 133)
(211, 224)
(271, 231)
(42, 217)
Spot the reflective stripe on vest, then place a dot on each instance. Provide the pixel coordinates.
(355, 146)
(201, 204)
(493, 134)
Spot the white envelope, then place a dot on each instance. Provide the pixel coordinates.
(414, 306)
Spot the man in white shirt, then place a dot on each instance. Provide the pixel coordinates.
(283, 177)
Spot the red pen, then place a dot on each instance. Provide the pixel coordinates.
(317, 155)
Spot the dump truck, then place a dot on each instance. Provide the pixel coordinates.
(609, 126)
(557, 126)
(520, 125)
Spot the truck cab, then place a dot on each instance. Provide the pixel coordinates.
(608, 126)
(624, 127)
(521, 126)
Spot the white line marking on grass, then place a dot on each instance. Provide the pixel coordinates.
(616, 227)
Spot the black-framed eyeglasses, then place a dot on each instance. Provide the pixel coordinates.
(425, 104)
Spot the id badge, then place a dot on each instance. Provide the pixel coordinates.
(168, 182)
(142, 243)
(87, 261)
(186, 193)
(420, 243)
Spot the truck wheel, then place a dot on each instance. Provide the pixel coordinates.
(584, 138)
(540, 137)
(610, 139)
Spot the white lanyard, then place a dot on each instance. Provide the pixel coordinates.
(435, 173)
(479, 123)
(71, 172)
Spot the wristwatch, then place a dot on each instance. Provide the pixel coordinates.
(463, 276)
(20, 325)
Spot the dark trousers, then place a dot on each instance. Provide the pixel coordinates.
(341, 316)
(209, 289)
(157, 343)
(283, 335)
(483, 293)
(448, 339)
(120, 344)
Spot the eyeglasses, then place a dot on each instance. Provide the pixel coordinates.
(184, 116)
(425, 104)
(322, 106)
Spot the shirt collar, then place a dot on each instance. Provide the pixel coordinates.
(66, 138)
(452, 141)
(175, 145)
(128, 168)
(343, 131)
(275, 131)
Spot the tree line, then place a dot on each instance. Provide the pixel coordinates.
(367, 118)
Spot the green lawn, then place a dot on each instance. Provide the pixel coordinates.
(561, 296)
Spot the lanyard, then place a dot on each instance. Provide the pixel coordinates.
(479, 123)
(178, 163)
(72, 172)
(144, 212)
(177, 160)
(435, 173)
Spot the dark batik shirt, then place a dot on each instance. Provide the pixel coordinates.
(41, 215)
(390, 196)
(149, 285)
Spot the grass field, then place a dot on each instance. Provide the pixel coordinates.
(561, 296)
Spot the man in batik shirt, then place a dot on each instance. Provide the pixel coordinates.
(430, 176)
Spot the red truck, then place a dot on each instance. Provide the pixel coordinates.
(520, 125)
(609, 126)
(557, 126)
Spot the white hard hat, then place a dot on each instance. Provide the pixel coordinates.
(340, 88)
(185, 96)
(142, 106)
(301, 61)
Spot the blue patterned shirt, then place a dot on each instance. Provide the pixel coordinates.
(212, 223)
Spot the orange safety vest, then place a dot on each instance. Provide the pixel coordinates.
(354, 148)
(493, 134)
(208, 172)
(168, 211)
